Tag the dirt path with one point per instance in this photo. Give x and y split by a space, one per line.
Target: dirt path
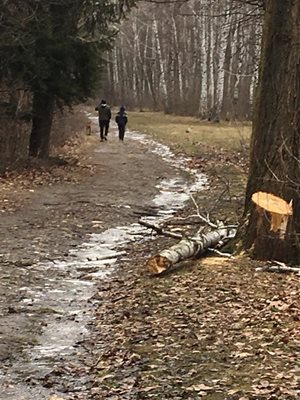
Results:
44 274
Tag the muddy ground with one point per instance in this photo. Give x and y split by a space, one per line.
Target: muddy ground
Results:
212 329
111 185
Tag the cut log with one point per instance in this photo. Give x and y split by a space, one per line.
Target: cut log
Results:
188 248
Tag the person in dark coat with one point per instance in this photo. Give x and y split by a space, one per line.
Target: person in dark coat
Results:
121 120
104 114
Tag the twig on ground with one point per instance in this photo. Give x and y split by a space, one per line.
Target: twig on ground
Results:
182 219
202 218
116 255
276 266
228 255
160 230
217 201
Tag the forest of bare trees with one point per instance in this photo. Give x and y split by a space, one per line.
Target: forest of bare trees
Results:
198 57
193 57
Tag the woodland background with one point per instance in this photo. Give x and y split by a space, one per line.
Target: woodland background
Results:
197 57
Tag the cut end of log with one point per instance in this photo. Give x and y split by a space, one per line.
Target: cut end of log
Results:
280 210
158 264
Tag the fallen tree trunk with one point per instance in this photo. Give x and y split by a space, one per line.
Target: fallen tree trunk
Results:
188 248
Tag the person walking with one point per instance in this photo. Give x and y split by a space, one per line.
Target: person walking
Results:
121 120
104 113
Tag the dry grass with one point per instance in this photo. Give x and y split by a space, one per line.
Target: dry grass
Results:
220 150
188 133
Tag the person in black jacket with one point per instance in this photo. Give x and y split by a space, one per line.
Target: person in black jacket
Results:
104 113
121 120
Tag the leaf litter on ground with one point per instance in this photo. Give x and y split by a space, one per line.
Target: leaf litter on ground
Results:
214 329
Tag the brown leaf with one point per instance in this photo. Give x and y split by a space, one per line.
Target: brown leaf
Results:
56 398
200 387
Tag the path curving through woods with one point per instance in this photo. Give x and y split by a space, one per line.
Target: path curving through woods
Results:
59 246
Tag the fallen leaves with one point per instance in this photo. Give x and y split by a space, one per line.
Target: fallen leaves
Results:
208 330
211 156
17 187
200 388
56 398
212 330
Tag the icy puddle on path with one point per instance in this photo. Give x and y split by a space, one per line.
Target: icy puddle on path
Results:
46 307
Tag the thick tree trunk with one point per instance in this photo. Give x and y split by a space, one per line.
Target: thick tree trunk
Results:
185 249
275 144
42 107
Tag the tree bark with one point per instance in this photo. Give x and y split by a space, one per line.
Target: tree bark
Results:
42 109
275 143
185 249
161 65
209 89
226 109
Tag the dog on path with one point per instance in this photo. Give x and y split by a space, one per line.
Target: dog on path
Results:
88 128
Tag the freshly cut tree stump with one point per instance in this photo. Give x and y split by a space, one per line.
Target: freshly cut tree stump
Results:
278 208
187 248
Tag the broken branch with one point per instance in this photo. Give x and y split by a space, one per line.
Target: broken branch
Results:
203 219
276 266
160 230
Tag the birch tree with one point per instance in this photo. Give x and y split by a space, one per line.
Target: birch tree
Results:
196 57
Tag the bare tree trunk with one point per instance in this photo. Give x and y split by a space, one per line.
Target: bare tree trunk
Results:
151 55
42 109
161 65
227 101
122 94
135 77
275 145
209 89
216 51
177 68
